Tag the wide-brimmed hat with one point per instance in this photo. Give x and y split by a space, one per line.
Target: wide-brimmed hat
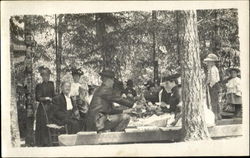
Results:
44 70
233 69
171 77
211 57
107 73
76 71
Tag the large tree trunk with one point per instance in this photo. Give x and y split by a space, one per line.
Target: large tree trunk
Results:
14 128
194 126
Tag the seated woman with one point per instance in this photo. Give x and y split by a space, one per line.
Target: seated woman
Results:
64 111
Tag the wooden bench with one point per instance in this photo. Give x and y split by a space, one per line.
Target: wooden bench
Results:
142 135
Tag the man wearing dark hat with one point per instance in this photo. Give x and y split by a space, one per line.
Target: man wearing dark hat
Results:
129 91
101 116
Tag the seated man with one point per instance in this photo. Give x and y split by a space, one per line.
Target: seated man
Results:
101 116
64 111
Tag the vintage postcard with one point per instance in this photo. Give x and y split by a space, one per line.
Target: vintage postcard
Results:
124 78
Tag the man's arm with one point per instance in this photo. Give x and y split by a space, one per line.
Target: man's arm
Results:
109 95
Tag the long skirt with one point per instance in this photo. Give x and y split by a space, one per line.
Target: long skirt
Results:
233 99
42 132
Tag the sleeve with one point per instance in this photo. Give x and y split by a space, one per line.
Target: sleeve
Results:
176 98
109 95
38 92
165 97
59 113
53 89
215 76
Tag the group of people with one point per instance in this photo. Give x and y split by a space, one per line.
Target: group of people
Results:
232 84
93 109
78 108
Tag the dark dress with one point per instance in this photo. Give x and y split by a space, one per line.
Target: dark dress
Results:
45 89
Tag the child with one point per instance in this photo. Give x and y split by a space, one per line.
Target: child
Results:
213 77
234 91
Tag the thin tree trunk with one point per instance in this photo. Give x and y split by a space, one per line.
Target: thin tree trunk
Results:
155 61
58 38
14 128
29 139
103 41
194 126
177 35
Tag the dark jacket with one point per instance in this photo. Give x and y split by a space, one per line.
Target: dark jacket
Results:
60 114
165 96
175 99
102 102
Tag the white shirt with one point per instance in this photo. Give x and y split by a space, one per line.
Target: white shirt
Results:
68 103
213 76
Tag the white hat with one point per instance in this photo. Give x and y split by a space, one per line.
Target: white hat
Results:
211 57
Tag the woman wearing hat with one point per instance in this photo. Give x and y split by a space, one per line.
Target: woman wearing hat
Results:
213 77
44 94
79 94
76 74
234 91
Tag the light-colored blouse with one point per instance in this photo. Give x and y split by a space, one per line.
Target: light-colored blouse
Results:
233 86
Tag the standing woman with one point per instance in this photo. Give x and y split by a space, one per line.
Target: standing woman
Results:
78 95
75 86
44 94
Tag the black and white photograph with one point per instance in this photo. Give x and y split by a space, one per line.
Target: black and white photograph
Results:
125 78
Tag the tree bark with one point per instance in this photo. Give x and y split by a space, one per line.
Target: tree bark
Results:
30 108
194 126
14 127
